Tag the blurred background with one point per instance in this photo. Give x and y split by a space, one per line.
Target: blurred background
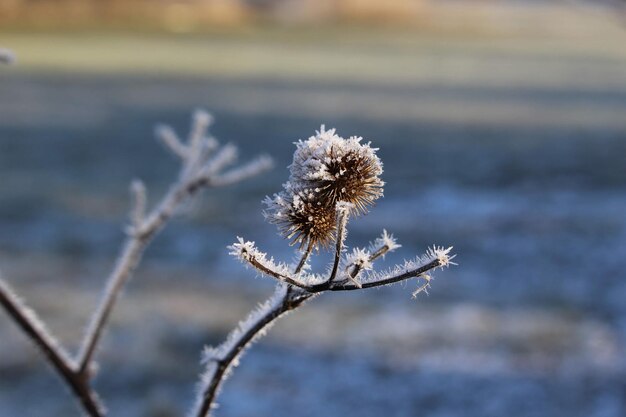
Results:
502 127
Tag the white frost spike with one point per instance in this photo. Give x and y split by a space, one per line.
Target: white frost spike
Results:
385 240
441 254
360 257
209 354
244 249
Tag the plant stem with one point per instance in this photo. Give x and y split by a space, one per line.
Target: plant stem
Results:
57 358
304 258
292 300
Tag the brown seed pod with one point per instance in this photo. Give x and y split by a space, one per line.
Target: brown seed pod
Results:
338 169
302 218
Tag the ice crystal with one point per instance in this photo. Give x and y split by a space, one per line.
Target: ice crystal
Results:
386 241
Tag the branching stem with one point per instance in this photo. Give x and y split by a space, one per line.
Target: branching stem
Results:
197 171
53 353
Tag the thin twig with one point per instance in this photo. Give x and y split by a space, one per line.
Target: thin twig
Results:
295 295
304 258
33 327
134 248
129 258
342 221
218 367
290 301
293 298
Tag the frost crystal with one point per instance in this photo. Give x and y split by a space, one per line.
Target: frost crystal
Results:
441 254
361 258
386 241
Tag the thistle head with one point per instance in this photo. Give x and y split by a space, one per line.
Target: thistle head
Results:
338 169
327 171
301 217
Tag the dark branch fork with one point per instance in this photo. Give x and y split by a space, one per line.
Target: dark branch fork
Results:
203 164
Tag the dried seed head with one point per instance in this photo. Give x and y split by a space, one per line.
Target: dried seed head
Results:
338 169
327 170
301 217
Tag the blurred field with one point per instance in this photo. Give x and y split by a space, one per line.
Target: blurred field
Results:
512 148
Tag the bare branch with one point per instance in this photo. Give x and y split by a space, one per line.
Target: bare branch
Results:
305 257
220 360
36 331
200 122
412 273
251 169
138 211
169 138
289 297
343 210
436 257
225 156
189 184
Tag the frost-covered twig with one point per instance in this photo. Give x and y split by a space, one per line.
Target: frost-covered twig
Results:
35 330
203 162
435 258
330 179
220 360
343 211
198 170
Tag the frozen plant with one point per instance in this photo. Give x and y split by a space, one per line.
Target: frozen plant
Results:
331 179
204 164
